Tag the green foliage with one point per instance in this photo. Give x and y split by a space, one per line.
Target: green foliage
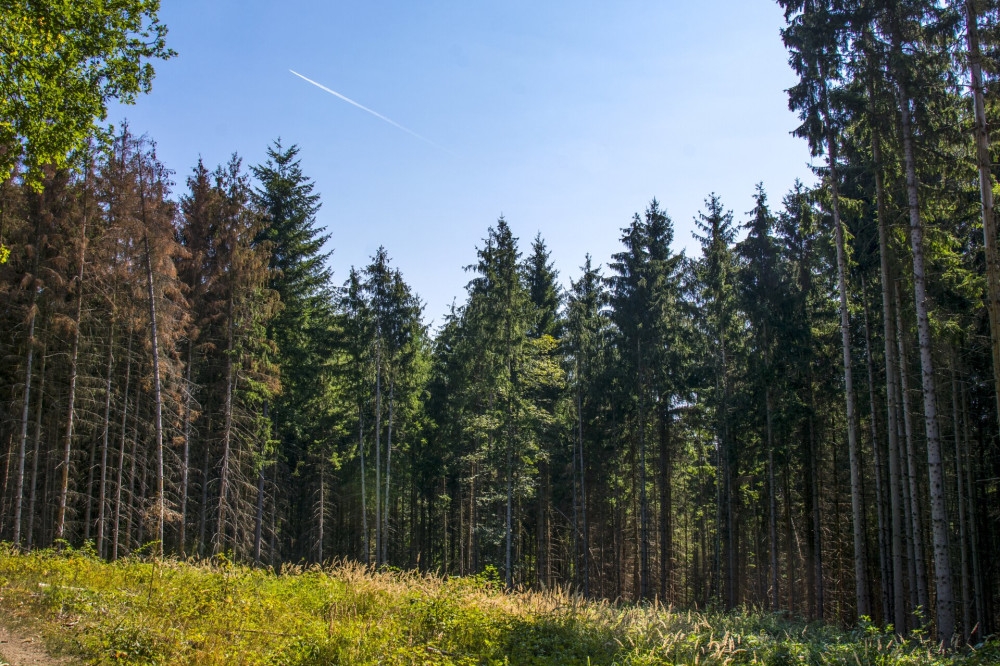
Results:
168 612
63 62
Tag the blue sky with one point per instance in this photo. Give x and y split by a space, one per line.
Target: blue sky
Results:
565 117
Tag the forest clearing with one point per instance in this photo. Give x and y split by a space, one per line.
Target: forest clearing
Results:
139 611
764 436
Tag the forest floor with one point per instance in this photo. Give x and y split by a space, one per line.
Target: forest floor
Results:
139 611
19 646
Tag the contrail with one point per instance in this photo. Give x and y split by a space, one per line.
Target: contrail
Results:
374 113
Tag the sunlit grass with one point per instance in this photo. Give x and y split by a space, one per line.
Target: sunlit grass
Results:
139 611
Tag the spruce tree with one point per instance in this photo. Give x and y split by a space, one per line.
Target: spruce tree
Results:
304 329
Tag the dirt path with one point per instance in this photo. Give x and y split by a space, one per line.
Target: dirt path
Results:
19 647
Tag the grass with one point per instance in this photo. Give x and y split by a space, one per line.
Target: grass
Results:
139 611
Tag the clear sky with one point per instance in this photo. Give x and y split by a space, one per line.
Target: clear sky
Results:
565 117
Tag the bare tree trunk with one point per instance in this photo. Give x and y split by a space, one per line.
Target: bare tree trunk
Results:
939 514
259 519
140 539
809 484
915 531
666 517
772 502
883 528
36 453
364 495
5 486
22 446
643 499
273 547
74 356
132 502
388 470
322 509
576 504
227 430
508 580
970 498
88 511
446 549
791 539
727 478
203 509
583 496
892 399
860 541
102 489
817 513
378 452
186 454
983 162
121 451
960 482
157 401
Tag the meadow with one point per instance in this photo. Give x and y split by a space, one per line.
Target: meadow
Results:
150 611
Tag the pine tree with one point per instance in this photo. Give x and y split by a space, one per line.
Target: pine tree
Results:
586 330
715 278
541 281
304 328
761 292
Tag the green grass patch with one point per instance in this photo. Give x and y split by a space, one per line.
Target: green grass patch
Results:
139 611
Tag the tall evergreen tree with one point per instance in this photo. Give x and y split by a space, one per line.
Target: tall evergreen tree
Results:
715 276
304 328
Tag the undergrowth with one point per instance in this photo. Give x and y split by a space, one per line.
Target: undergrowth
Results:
139 611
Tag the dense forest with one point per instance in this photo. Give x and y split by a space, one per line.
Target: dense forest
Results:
803 418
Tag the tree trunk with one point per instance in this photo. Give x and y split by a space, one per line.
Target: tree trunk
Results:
960 483
364 495
666 517
892 399
817 513
89 508
272 546
203 509
227 430
576 498
140 539
583 497
131 474
74 356
121 451
102 489
935 472
883 528
23 442
186 454
322 511
378 452
912 488
727 477
36 454
388 470
983 163
772 502
259 518
157 402
643 499
977 580
860 542
791 539
508 579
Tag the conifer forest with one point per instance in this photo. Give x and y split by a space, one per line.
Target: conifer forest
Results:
803 417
